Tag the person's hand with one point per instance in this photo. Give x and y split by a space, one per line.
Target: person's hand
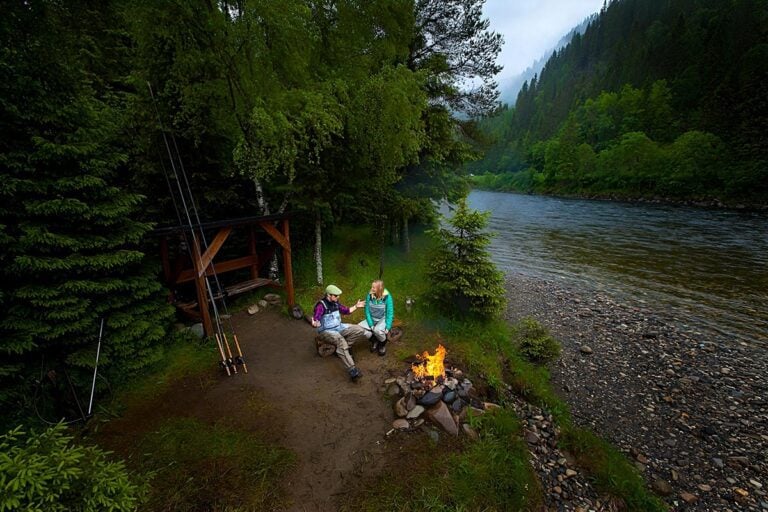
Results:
315 323
360 303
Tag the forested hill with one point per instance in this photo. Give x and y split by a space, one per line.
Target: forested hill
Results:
656 99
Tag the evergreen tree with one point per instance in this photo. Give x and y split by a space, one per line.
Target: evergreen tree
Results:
70 243
464 280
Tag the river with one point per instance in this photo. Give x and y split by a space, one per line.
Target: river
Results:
705 270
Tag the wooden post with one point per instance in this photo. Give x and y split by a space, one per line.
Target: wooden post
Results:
252 252
202 292
287 267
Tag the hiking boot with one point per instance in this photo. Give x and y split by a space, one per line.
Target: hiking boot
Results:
374 345
354 373
382 349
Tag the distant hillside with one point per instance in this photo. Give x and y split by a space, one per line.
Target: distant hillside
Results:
511 86
666 99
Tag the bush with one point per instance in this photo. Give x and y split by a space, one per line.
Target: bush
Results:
47 472
535 343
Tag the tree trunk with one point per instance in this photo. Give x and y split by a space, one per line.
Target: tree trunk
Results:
406 235
319 249
264 210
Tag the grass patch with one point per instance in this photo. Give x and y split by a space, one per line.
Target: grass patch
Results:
200 467
492 474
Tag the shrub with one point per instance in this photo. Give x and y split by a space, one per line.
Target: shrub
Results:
47 472
535 343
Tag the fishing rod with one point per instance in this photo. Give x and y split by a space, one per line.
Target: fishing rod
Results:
226 362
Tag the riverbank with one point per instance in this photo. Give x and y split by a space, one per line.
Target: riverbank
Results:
688 409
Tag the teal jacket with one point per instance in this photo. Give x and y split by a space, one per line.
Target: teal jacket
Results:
373 314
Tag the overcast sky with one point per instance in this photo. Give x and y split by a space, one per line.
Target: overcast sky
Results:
531 27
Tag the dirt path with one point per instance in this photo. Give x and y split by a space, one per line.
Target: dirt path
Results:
334 426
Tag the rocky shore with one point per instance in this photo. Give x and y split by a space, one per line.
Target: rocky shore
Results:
690 409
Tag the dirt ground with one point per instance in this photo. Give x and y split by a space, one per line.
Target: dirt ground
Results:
293 398
336 427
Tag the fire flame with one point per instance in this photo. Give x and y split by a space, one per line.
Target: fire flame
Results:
430 365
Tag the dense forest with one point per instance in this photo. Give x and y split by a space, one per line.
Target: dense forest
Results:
655 100
334 111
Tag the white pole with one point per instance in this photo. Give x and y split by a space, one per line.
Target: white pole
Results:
95 367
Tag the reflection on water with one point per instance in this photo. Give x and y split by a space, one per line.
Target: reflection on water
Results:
707 268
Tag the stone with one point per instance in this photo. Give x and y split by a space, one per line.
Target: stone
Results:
688 497
440 416
390 380
262 303
400 410
662 487
457 405
419 422
273 299
470 432
433 435
718 462
401 424
253 309
393 390
490 406
449 396
704 487
586 349
532 437
415 412
755 483
642 459
570 472
410 402
197 330
433 396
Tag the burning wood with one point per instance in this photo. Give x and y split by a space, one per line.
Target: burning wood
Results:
430 367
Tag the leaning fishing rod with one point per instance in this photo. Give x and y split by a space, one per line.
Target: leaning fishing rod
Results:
227 361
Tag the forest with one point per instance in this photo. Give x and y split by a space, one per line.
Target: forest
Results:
333 111
656 100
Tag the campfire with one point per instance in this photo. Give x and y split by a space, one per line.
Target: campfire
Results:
430 391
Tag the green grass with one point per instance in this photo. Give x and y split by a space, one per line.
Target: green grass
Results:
197 467
492 474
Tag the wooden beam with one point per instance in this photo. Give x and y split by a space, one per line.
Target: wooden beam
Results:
200 285
274 233
287 266
252 252
213 248
222 267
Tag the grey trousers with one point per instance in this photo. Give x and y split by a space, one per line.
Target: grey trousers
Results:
377 331
343 340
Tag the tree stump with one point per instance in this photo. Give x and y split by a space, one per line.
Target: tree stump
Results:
324 349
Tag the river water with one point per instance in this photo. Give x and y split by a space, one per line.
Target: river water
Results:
706 270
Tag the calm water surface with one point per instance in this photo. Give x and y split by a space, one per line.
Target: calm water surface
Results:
707 268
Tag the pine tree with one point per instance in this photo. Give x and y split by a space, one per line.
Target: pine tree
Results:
464 280
70 245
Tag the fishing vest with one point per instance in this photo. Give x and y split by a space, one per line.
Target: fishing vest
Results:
377 309
331 319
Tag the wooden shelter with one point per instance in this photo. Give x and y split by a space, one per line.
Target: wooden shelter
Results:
264 235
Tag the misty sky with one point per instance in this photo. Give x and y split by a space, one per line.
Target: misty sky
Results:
531 27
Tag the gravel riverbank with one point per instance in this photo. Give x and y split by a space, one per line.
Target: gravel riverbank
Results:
689 408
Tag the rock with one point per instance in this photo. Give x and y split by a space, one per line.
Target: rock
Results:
688 497
585 349
401 424
197 330
432 397
457 405
273 298
570 472
470 432
390 380
754 483
718 462
411 402
490 406
532 437
253 309
662 487
449 397
642 459
440 415
433 435
393 390
400 410
704 487
262 304
419 422
415 412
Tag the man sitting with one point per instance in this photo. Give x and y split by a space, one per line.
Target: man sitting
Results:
327 319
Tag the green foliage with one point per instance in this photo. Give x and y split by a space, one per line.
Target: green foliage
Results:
227 470
654 100
71 234
463 279
47 472
534 341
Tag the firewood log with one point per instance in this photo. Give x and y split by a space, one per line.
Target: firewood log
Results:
324 349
